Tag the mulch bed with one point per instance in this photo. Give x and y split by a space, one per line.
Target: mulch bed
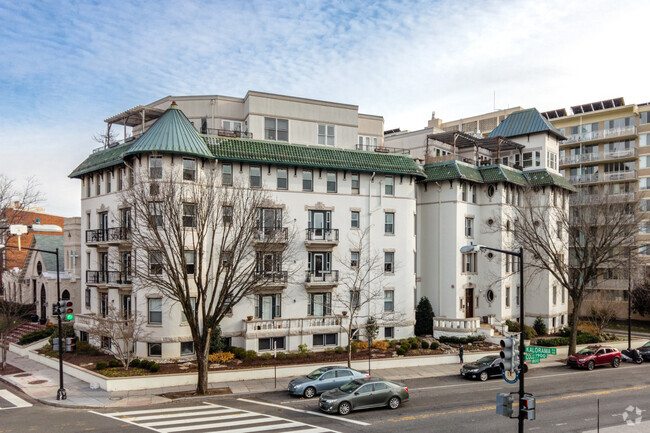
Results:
9 370
183 394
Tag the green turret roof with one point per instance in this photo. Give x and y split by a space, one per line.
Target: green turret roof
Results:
524 122
277 153
172 133
102 159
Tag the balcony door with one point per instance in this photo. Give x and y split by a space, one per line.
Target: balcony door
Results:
319 223
269 219
319 266
268 306
469 303
103 222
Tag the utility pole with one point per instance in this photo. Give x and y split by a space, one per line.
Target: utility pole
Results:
522 347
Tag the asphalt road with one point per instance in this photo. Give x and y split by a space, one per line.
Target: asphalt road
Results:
567 401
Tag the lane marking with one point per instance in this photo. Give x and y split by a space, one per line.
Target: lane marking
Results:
13 399
310 412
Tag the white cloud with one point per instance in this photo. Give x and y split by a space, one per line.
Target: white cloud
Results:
68 65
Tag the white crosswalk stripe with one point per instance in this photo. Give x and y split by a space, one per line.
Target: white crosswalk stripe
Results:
211 418
11 401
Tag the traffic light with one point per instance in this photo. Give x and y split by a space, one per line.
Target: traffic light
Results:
504 404
66 310
527 407
70 344
510 353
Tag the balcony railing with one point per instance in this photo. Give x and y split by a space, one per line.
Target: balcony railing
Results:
584 178
298 326
576 199
626 153
382 149
277 277
598 135
577 159
113 234
229 133
280 234
326 235
322 277
108 277
619 175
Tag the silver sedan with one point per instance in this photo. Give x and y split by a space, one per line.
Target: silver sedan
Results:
364 394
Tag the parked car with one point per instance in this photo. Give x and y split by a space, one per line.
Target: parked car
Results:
645 351
323 379
364 394
484 368
592 356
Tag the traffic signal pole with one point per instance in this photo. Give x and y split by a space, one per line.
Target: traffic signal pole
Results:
522 346
60 394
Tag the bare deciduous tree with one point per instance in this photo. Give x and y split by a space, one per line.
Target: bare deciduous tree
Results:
601 315
123 332
360 281
574 246
201 245
12 315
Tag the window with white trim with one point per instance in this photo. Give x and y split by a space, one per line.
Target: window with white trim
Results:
155 311
155 167
276 129
326 134
469 227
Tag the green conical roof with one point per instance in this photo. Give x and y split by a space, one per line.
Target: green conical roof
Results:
172 133
525 122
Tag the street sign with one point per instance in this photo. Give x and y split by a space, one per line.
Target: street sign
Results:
535 360
534 356
544 350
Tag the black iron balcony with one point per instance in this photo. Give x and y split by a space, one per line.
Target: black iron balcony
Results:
113 234
275 234
320 234
277 277
108 277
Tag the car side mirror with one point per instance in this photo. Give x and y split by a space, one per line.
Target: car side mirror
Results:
356 393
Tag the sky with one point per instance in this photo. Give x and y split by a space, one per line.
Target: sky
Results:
68 65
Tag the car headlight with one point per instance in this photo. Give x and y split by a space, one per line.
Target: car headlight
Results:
473 371
298 385
581 360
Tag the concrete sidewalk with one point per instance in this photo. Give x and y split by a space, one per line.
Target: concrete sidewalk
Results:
41 382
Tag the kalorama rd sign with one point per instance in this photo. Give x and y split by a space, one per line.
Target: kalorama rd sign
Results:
534 353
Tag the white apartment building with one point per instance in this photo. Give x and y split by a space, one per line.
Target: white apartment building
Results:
471 185
303 153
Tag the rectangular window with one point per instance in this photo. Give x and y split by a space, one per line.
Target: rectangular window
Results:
469 227
83 336
154 349
354 219
256 176
463 196
320 304
98 185
389 332
355 183
331 182
155 214
189 215
276 343
644 117
109 183
469 262
227 215
155 167
226 174
389 300
276 129
326 135
354 259
354 298
325 340
189 262
231 126
88 181
103 304
155 311
644 140
507 296
106 343
559 229
283 178
389 185
554 295
389 262
187 348
472 191
189 169
389 223
155 263
307 180
268 307
193 305
127 310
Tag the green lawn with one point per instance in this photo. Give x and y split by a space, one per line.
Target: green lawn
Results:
637 326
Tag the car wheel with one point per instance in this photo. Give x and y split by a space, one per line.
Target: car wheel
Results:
591 365
344 408
484 376
394 402
310 392
639 361
616 362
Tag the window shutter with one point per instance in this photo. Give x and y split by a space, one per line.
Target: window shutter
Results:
327 261
278 218
310 312
328 220
278 305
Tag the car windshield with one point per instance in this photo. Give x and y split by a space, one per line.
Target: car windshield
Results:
315 374
586 351
647 344
486 360
350 387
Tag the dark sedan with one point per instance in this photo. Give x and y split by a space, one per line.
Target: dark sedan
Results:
364 394
485 368
645 351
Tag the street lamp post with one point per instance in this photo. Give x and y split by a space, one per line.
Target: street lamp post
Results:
21 229
522 346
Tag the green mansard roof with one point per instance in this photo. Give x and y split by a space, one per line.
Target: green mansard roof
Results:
450 170
172 133
277 153
524 122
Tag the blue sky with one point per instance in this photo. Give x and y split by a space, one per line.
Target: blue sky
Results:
68 65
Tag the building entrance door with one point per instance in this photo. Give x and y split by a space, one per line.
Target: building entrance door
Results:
469 303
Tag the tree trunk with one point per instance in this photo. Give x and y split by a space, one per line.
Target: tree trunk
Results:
4 346
202 366
574 328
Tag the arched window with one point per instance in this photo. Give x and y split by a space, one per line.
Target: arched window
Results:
39 268
65 295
